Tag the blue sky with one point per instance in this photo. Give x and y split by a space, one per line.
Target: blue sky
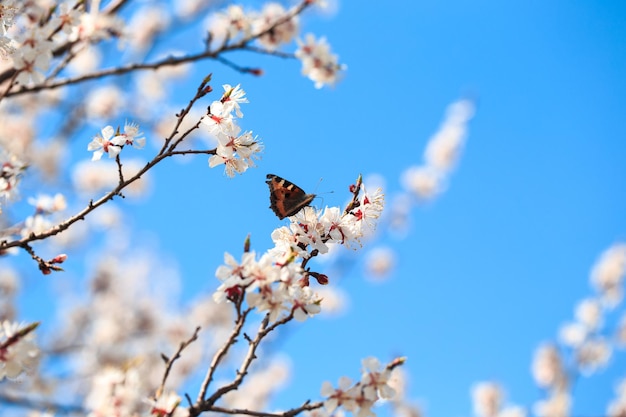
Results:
496 264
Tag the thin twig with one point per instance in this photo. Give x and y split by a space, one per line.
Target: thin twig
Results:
117 191
220 354
290 413
264 329
171 360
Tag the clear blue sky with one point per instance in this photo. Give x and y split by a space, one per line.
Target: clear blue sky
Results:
496 264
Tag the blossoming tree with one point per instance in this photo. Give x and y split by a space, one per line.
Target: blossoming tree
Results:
121 349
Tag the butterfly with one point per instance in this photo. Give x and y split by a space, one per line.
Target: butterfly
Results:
286 198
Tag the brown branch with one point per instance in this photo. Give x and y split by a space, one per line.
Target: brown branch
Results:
243 44
264 329
23 242
109 9
220 354
289 413
192 151
203 89
307 406
170 361
120 174
46 267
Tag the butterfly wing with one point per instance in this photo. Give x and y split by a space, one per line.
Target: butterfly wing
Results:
286 198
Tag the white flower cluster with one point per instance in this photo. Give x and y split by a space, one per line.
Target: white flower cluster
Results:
272 21
270 286
429 179
313 229
277 28
18 351
318 63
236 151
276 283
607 275
112 142
591 350
359 398
31 46
549 372
585 348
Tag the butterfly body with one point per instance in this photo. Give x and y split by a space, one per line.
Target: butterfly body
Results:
286 198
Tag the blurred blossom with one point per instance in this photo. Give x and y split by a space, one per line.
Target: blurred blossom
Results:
229 24
445 145
47 204
405 409
443 149
399 382
318 63
104 102
259 386
572 334
617 407
19 356
427 180
146 23
73 236
114 392
589 313
327 8
334 300
47 157
166 123
90 178
9 281
150 85
17 133
487 399
608 273
513 411
547 367
283 33
106 217
168 406
558 404
87 60
379 263
423 182
11 169
592 355
172 72
96 26
35 224
188 9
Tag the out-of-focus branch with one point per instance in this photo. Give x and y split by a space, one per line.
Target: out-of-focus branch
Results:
243 44
169 362
220 354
